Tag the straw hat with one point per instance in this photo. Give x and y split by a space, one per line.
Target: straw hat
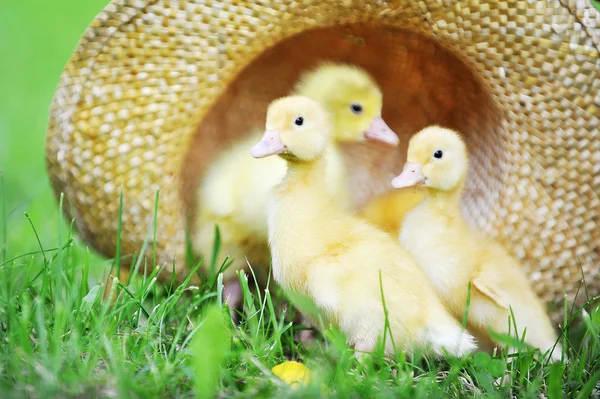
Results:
155 89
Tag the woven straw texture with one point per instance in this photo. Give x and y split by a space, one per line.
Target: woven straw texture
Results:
155 89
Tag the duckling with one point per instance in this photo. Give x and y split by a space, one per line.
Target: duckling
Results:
234 193
329 256
233 196
453 255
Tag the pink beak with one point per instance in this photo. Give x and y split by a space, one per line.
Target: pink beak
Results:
270 144
380 131
410 176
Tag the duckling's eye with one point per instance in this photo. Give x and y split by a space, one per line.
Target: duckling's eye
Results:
438 154
356 108
299 121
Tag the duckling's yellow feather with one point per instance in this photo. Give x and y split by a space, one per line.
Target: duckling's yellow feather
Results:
387 210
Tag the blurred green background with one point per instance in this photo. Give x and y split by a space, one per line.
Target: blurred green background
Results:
37 38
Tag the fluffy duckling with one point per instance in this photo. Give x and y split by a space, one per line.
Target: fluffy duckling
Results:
326 255
453 255
234 193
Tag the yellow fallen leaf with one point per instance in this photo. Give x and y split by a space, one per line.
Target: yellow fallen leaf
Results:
296 375
293 373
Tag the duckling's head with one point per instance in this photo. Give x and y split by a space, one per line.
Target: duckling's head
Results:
437 158
297 128
353 100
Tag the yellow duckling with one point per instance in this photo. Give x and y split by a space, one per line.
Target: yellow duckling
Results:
453 255
326 255
234 193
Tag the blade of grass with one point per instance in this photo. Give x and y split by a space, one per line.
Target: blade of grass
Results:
583 281
71 234
137 302
210 346
220 288
24 254
59 257
37 237
212 279
467 306
256 282
593 330
555 388
154 227
387 328
119 231
42 336
274 323
562 331
141 257
588 388
46 271
216 248
158 317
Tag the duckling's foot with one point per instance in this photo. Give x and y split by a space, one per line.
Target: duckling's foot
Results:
306 337
232 294
362 349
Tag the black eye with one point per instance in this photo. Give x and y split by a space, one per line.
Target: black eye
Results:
299 121
438 154
356 108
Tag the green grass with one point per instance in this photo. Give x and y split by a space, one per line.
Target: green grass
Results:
60 340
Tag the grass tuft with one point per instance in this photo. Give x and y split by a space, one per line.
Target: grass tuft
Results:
62 339
210 346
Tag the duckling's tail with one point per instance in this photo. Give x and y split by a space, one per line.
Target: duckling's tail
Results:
445 336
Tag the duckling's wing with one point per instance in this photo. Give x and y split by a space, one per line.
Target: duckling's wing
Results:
488 287
218 194
500 277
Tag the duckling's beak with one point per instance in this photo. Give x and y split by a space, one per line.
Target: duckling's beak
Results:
380 131
410 176
270 144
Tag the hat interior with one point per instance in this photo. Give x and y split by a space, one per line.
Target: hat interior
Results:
423 83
